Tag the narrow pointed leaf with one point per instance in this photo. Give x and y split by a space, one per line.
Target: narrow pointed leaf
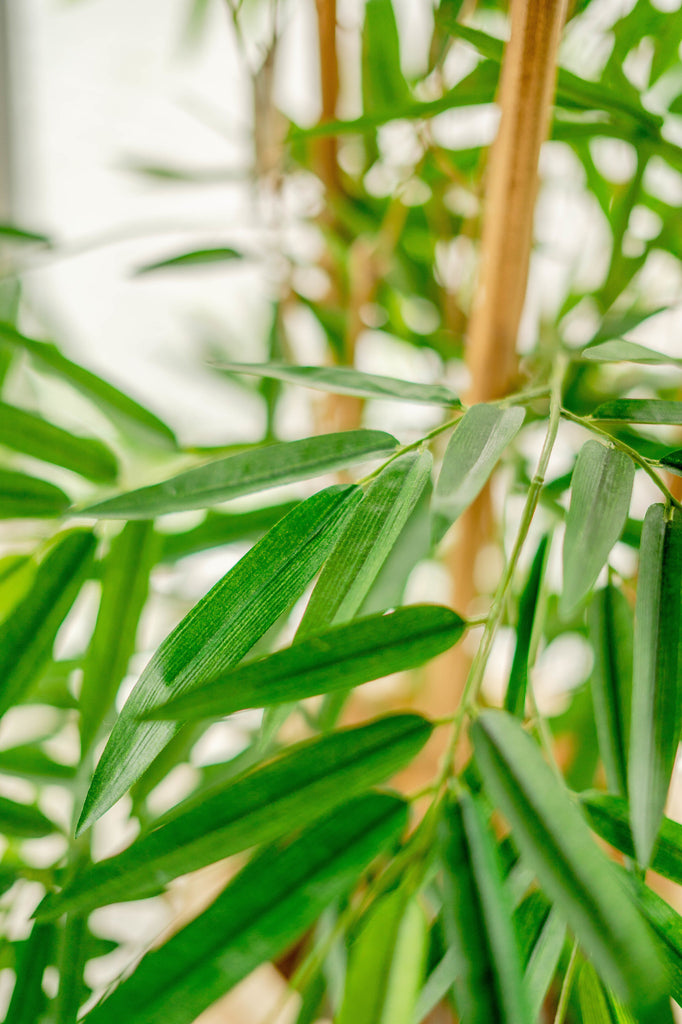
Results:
601 486
30 434
383 85
25 497
343 380
28 998
113 402
673 461
470 457
554 839
608 816
667 925
639 410
611 626
593 1000
194 258
247 472
478 923
338 658
23 820
273 900
221 528
515 697
654 729
28 632
366 542
269 801
544 960
621 351
217 633
30 762
125 582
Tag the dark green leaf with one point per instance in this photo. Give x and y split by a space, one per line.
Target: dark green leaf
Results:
28 999
656 693
269 801
554 839
338 658
27 634
343 380
217 633
639 410
470 457
26 497
600 500
667 925
23 820
254 470
515 697
366 542
32 435
608 816
478 921
273 900
610 625
673 462
195 258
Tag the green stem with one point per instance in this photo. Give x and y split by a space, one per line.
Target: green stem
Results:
569 978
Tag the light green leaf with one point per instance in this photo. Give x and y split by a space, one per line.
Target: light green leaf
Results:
125 582
610 627
273 900
601 486
217 633
195 258
338 658
268 802
383 86
470 457
608 817
621 351
23 820
30 762
30 434
27 497
544 960
343 380
554 839
28 632
109 399
654 729
593 1002
366 542
478 923
515 697
639 410
254 470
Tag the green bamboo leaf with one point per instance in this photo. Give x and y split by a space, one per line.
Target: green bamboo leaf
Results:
543 961
254 470
217 633
470 457
672 461
515 697
341 657
125 583
639 410
109 399
221 528
27 497
28 632
28 998
344 380
610 627
478 923
601 486
23 820
554 839
195 258
30 762
621 351
30 434
608 817
667 926
593 1000
366 542
13 233
654 729
272 901
269 801
383 85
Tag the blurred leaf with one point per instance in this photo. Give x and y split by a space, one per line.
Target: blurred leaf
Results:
217 633
654 729
24 820
30 762
667 925
116 405
601 486
32 435
27 497
28 999
272 901
366 542
384 88
125 584
12 233
626 352
515 697
343 380
609 818
28 632
478 920
639 410
610 624
254 470
220 528
470 457
197 257
272 800
554 839
544 932
593 1002
341 657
